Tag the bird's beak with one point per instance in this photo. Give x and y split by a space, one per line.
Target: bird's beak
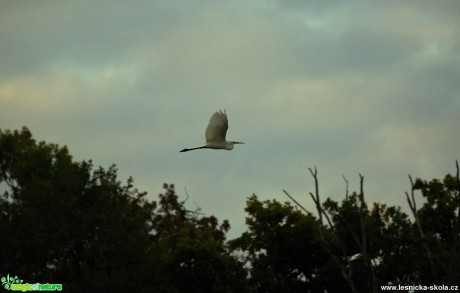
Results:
238 142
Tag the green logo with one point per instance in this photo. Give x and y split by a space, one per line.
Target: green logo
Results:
15 284
8 281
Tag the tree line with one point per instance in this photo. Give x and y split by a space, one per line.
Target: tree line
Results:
69 222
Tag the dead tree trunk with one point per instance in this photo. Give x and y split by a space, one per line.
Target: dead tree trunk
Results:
344 260
413 208
346 268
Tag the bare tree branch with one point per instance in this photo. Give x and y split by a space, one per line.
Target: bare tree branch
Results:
458 185
197 211
186 195
298 204
365 248
458 170
317 200
413 208
458 176
345 269
346 188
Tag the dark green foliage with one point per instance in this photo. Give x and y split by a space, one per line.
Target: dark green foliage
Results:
193 252
63 222
67 222
290 250
282 247
440 221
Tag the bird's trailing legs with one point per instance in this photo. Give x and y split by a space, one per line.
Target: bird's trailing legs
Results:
186 150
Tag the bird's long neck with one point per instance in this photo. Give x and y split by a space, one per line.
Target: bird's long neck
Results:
186 150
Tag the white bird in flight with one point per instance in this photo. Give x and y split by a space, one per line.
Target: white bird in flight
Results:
215 134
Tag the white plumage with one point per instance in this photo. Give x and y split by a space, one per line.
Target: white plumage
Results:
215 134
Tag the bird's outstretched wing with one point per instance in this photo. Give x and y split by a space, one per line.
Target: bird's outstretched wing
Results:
217 127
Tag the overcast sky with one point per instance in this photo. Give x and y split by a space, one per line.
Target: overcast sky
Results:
370 87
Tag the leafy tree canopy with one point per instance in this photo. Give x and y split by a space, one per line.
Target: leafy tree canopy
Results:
63 221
